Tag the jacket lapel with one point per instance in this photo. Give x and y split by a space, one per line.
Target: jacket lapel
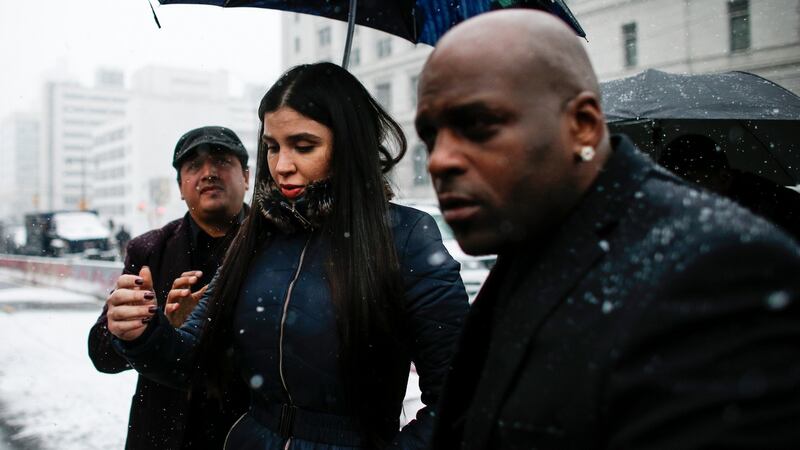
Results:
175 259
561 267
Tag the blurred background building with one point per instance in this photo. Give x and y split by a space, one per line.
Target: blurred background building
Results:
19 163
108 147
69 115
134 182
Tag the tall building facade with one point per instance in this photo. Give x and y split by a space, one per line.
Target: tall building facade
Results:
693 36
19 168
70 114
623 37
134 183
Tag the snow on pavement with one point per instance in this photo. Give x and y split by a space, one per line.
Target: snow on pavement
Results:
49 388
50 296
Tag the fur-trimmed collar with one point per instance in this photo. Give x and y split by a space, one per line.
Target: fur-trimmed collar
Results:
307 213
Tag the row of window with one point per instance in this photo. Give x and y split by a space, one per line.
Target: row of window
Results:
116 134
112 173
103 111
383 93
111 154
94 98
82 122
111 191
383 47
738 32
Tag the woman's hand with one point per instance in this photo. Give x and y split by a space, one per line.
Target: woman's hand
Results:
131 305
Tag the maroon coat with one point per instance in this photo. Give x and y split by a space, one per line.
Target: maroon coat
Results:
162 417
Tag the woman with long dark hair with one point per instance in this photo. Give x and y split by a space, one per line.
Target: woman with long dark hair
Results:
328 291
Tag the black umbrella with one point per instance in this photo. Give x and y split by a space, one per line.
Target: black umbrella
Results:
753 120
418 21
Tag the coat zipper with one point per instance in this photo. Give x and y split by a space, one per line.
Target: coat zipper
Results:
227 436
283 319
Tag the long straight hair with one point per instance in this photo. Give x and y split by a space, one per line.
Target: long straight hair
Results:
363 269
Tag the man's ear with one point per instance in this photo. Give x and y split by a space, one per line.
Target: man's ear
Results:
586 121
246 174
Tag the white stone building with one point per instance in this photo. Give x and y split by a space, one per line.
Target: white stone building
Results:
19 153
624 37
135 184
70 114
693 36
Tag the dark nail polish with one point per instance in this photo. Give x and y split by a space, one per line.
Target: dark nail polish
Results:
152 309
138 281
147 319
149 295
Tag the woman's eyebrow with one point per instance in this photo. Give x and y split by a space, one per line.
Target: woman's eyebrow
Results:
304 136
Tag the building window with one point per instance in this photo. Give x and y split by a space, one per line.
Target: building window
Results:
414 81
324 36
739 17
383 94
384 47
355 56
421 176
297 45
631 44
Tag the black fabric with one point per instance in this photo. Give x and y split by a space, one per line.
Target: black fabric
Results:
655 317
216 138
162 417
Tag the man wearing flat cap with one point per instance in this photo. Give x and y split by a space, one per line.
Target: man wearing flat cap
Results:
174 265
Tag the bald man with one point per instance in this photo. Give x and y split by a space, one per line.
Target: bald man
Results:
627 309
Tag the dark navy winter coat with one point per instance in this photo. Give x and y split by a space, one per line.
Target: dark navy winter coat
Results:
286 340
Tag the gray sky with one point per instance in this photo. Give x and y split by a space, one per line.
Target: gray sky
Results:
37 36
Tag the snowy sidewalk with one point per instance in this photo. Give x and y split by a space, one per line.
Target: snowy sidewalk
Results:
50 393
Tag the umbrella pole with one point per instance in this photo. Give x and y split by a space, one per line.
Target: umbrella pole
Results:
351 27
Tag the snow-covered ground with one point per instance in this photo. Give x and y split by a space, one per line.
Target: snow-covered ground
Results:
49 390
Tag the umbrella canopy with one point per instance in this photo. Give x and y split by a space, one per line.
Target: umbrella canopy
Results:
418 21
753 120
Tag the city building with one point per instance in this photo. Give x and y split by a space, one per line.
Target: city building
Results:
19 174
134 183
70 114
624 37
693 36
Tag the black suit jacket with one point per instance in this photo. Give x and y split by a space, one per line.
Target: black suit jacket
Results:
655 317
162 417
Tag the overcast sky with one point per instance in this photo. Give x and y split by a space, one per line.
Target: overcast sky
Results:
41 36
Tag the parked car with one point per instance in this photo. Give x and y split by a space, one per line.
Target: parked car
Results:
67 233
474 269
